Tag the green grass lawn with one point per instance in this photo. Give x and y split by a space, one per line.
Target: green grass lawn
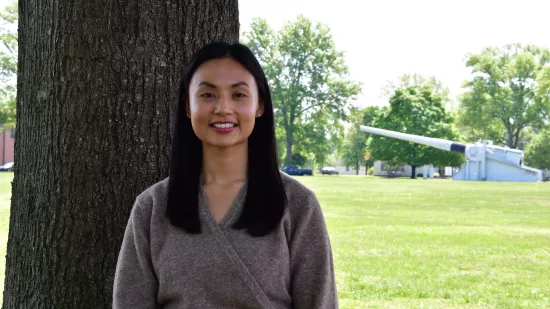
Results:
425 243
5 201
406 243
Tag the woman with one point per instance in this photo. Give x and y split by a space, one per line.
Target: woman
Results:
226 229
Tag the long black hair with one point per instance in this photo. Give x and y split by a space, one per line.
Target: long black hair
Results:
265 198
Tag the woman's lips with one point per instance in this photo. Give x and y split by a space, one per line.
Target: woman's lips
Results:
224 128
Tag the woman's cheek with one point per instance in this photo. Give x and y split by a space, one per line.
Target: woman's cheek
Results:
247 112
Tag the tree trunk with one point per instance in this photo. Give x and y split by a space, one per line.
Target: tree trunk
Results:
413 173
510 133
96 92
357 167
516 138
288 158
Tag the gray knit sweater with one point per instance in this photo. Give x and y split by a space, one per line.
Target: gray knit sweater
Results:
161 266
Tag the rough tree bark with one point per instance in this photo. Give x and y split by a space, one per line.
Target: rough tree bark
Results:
97 85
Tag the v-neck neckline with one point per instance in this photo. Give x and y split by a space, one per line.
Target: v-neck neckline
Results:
235 208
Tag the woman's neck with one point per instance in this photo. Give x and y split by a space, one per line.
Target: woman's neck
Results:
224 166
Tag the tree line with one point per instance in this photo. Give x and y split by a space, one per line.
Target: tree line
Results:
507 100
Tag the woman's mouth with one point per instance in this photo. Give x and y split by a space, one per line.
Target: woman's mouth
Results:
223 127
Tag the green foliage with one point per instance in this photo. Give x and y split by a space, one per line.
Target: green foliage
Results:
509 91
298 159
414 110
308 78
355 144
370 115
8 64
537 153
354 148
280 133
7 110
408 80
475 122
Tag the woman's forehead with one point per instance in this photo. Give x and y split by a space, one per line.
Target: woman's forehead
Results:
222 72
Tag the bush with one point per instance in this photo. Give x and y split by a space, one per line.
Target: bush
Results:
546 179
370 172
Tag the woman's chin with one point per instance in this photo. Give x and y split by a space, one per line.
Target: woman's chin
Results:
224 143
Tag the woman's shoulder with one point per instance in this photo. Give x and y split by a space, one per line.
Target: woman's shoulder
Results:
154 196
303 210
155 190
299 196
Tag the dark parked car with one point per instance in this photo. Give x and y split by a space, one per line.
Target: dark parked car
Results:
329 171
295 171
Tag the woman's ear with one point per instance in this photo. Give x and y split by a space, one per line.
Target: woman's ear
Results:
187 110
260 110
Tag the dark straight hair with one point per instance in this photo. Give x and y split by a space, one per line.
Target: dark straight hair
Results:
265 197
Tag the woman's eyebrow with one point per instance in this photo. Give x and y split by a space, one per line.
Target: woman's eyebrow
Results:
240 84
207 84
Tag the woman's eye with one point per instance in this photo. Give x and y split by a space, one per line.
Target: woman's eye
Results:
240 95
207 95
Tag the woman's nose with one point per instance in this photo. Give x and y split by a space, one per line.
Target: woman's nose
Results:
223 105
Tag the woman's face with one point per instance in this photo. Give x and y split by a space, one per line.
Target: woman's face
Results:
223 103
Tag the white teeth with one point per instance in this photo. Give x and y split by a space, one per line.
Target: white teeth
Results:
224 125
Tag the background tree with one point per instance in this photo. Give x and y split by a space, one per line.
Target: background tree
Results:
354 151
369 117
97 86
308 76
316 137
475 123
509 92
537 153
373 116
408 80
8 64
298 159
354 147
414 110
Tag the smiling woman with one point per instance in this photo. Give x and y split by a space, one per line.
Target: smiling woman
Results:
226 229
223 103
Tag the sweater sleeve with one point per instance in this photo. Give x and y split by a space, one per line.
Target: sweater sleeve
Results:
135 284
312 270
